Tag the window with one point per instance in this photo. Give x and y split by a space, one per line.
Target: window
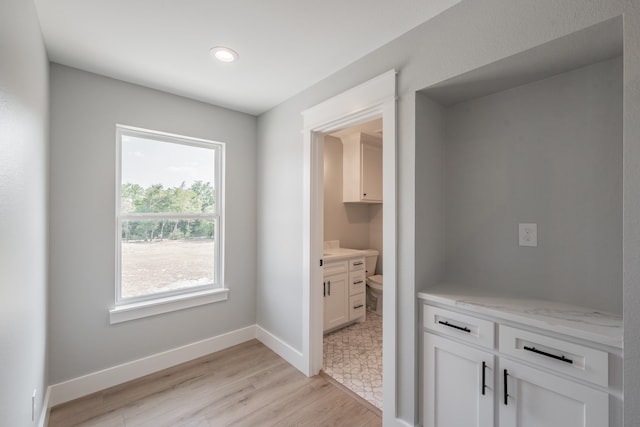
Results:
169 222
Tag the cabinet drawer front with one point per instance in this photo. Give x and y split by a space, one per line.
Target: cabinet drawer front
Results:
356 306
335 267
461 326
357 283
557 355
356 264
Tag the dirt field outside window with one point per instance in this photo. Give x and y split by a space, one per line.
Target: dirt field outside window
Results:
160 266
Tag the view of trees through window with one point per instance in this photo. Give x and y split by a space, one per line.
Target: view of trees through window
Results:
168 216
198 198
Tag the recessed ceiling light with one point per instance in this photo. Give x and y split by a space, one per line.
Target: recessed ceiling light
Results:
224 54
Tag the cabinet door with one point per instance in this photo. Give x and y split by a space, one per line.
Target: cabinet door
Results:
371 171
454 392
336 298
537 399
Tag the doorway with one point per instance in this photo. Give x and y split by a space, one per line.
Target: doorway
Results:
371 100
353 253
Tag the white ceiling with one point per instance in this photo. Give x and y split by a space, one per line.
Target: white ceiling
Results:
285 46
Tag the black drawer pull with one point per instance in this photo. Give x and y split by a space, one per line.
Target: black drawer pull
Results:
544 353
445 323
484 378
358 282
358 306
358 263
506 392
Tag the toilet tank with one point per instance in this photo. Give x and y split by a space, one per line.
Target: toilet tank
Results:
371 258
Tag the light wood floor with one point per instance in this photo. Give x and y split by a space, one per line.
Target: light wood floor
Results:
246 385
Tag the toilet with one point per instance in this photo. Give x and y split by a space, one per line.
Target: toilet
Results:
374 282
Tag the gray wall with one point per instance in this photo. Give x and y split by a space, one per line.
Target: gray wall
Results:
23 206
461 39
84 111
550 153
430 161
347 222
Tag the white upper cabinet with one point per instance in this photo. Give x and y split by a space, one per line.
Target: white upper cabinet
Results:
362 168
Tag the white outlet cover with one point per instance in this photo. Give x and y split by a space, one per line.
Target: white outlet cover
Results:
528 234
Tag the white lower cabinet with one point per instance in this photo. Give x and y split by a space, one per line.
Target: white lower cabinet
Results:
336 310
519 379
458 384
530 397
344 292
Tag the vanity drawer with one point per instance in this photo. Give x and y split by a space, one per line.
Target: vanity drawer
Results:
356 264
461 326
357 282
575 360
335 267
356 306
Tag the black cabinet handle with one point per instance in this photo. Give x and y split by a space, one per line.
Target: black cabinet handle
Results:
544 353
358 282
324 289
506 393
358 306
484 383
445 323
329 292
357 263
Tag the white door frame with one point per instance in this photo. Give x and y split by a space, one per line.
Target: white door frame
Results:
373 99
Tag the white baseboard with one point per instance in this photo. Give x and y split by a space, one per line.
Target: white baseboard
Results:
96 381
46 406
281 348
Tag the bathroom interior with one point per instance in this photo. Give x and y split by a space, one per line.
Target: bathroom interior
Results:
352 345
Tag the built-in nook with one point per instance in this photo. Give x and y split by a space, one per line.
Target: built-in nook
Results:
535 138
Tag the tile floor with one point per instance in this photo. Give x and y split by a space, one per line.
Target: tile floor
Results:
353 357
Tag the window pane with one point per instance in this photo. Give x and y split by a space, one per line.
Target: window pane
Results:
161 177
166 255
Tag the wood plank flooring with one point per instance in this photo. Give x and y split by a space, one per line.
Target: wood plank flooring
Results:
245 385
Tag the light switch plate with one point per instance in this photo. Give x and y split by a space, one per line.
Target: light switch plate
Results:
528 234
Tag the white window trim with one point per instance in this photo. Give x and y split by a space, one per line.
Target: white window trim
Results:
135 308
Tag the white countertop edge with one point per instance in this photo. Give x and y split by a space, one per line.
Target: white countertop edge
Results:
339 254
606 335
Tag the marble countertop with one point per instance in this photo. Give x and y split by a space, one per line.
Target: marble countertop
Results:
338 254
580 322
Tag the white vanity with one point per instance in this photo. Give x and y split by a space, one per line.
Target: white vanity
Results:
495 361
344 285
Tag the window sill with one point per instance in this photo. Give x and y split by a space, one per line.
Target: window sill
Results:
126 312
